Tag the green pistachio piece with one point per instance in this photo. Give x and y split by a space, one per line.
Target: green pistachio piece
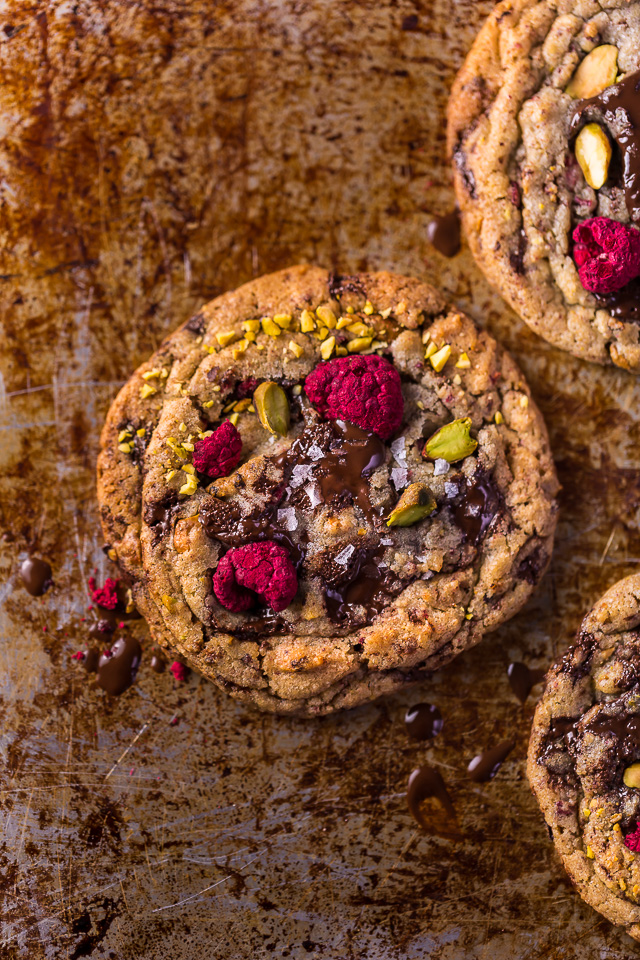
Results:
451 442
272 408
416 503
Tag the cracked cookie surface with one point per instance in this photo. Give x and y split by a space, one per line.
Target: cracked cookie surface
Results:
539 146
402 558
584 756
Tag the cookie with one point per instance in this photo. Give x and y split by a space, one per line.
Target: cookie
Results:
544 137
322 488
584 756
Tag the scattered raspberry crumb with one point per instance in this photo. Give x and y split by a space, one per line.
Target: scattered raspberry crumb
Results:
246 388
219 454
607 254
179 671
632 840
107 596
363 390
77 656
259 571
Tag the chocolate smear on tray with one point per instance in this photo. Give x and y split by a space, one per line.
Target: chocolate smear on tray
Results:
485 765
522 679
158 663
423 721
36 576
443 232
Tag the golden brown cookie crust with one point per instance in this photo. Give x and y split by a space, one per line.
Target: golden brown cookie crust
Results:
447 590
515 180
582 742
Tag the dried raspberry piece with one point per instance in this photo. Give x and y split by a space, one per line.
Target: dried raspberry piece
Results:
78 656
607 254
259 571
219 454
107 596
363 390
246 388
179 671
632 840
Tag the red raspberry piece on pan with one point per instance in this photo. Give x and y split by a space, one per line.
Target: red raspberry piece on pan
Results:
365 391
219 454
107 596
606 253
260 572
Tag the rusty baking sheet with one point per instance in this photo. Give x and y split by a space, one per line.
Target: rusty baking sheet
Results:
152 156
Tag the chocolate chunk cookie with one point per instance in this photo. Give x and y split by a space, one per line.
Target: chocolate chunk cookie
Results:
584 756
322 488
544 136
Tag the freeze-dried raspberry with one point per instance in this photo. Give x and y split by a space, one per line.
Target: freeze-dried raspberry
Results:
607 254
107 596
363 390
259 571
632 840
179 671
246 388
219 454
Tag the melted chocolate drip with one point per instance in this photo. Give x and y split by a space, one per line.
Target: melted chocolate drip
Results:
91 659
485 765
159 515
423 721
444 233
365 586
624 303
618 108
426 782
36 576
522 678
117 668
477 507
626 730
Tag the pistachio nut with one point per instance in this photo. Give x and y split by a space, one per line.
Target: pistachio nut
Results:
597 71
631 776
593 153
416 503
272 408
451 442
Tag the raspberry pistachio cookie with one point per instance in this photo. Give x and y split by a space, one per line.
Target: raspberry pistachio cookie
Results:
323 487
544 134
584 756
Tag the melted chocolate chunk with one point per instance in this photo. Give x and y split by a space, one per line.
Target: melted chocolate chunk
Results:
196 324
364 591
159 515
36 576
158 663
444 233
425 782
467 175
477 507
423 721
485 765
341 283
117 668
618 109
562 734
623 304
625 729
522 679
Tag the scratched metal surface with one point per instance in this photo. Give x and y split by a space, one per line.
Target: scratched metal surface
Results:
153 155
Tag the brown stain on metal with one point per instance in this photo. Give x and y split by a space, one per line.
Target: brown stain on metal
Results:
156 156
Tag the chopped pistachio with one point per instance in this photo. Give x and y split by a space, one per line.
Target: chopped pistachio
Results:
341 351
295 348
321 333
379 344
468 616
343 322
252 326
524 400
147 391
141 432
188 445
439 359
327 348
251 409
123 435
419 404
359 344
426 336
124 447
190 486
457 379
463 362
451 442
111 553
368 308
239 349
283 320
205 434
169 602
360 329
151 374
228 407
350 310
307 322
431 349
250 337
416 503
272 408
631 776
270 328
208 404
224 339
297 390
498 418
590 853
327 316
401 307
216 388
385 314
242 405
183 427
189 468
170 475
234 419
